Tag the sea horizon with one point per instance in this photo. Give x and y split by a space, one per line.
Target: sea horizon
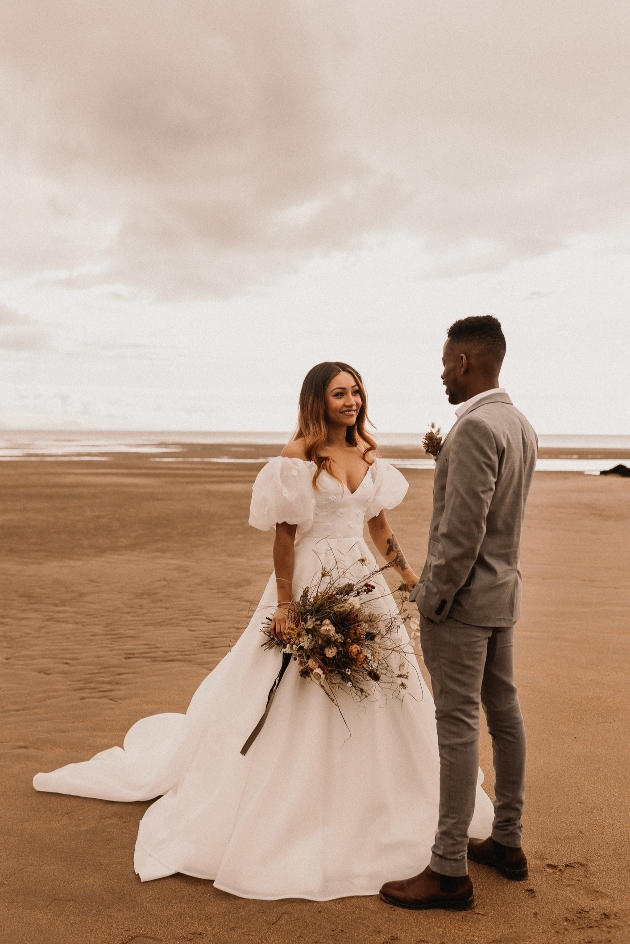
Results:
164 446
128 438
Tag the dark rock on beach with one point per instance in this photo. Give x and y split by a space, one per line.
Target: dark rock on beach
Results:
617 470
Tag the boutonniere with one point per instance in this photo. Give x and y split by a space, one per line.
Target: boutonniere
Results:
432 442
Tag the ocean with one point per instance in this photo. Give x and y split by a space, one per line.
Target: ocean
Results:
163 446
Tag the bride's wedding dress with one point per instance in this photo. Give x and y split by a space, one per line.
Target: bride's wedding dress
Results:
315 809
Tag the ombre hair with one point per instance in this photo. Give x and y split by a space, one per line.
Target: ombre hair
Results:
312 426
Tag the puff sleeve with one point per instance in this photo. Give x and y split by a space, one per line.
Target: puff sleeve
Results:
390 487
283 491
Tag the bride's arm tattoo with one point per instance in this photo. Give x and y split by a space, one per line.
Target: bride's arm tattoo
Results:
393 547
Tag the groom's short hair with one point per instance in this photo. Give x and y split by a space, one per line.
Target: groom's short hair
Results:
482 331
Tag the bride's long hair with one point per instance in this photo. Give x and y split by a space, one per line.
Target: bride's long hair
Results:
312 426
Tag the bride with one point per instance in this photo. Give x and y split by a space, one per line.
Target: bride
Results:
317 808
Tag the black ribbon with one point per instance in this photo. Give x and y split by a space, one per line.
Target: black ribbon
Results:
286 658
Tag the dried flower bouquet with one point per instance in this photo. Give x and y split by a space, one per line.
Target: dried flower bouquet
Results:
340 642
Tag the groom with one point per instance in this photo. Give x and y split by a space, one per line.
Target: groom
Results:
469 597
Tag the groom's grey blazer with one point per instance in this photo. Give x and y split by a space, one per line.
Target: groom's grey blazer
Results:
482 478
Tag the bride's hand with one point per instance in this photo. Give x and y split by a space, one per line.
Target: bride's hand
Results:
410 579
279 622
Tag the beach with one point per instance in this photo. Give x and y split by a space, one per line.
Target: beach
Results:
125 581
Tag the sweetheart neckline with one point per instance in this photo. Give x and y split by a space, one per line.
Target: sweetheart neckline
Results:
343 484
358 486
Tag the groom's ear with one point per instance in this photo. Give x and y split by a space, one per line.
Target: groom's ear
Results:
464 363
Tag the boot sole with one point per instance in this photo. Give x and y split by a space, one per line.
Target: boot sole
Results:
515 875
421 906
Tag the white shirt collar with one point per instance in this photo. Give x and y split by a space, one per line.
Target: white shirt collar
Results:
479 396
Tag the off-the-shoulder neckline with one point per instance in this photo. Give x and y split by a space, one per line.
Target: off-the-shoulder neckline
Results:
311 462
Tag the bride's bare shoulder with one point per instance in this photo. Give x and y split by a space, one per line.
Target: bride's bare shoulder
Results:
294 450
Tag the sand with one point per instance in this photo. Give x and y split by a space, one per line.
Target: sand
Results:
123 584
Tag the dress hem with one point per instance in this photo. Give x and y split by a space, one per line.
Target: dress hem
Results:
252 896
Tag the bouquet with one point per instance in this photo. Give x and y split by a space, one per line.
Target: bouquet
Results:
340 642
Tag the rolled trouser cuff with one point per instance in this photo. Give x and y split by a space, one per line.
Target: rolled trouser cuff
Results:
453 867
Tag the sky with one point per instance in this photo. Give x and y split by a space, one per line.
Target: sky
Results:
201 200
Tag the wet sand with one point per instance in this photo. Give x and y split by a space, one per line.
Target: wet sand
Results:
123 584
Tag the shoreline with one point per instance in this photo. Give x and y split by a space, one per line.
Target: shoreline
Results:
238 451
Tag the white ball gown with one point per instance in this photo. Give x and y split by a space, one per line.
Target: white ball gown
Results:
315 809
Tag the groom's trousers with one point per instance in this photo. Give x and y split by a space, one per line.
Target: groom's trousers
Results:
470 665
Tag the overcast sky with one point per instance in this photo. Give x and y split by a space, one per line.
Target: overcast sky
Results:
202 199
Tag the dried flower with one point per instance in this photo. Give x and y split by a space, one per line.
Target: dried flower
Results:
432 441
337 637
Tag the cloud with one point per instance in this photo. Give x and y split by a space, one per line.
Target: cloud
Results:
535 295
25 340
10 317
19 333
200 147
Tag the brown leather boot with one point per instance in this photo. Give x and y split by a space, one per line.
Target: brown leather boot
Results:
507 860
430 890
